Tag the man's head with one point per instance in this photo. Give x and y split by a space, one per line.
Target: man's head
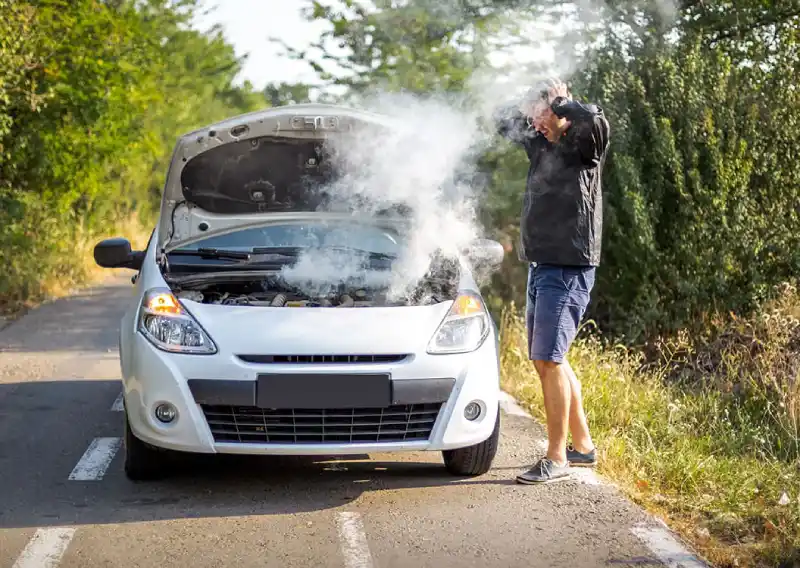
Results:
536 106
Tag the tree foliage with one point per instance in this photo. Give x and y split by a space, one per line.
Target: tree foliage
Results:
279 94
415 46
92 97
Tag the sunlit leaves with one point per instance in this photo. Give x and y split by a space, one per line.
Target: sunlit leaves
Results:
92 98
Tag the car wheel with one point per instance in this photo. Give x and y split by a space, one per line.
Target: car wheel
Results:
142 461
477 459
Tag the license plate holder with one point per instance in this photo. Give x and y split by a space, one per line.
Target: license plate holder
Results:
323 390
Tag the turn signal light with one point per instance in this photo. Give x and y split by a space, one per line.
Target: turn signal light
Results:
466 305
164 304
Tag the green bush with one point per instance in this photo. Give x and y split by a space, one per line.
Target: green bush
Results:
700 194
701 204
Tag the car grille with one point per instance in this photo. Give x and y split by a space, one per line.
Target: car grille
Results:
322 358
247 424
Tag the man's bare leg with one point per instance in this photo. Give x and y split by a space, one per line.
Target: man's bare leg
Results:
578 426
557 393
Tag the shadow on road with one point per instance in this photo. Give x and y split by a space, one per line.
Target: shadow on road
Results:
46 426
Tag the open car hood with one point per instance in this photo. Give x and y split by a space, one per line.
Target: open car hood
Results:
256 167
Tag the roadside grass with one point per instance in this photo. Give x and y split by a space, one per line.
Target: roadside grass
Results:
706 434
56 260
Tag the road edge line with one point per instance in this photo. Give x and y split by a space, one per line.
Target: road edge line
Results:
667 546
658 537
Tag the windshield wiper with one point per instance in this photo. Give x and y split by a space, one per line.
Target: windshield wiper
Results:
213 253
282 251
296 251
371 253
255 256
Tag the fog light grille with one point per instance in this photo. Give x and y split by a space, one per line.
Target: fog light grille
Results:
252 425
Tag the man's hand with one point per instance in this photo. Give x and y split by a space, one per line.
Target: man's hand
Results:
556 88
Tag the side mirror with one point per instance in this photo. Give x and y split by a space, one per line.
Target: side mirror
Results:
117 253
485 254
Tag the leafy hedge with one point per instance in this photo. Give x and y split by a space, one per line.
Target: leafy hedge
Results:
702 185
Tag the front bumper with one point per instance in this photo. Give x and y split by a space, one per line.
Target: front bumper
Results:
224 389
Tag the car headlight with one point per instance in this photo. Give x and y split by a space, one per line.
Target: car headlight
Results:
463 329
168 326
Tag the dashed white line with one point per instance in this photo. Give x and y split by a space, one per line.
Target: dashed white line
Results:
667 548
96 459
118 404
353 541
45 548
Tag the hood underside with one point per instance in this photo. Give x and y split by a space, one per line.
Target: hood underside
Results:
259 175
267 174
270 163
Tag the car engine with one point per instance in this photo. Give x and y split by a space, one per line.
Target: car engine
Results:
273 290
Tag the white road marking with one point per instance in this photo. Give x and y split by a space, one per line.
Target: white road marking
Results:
510 406
118 404
586 476
96 459
45 548
353 541
667 548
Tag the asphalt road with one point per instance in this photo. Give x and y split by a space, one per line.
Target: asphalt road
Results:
64 500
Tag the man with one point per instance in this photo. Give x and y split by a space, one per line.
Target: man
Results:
560 234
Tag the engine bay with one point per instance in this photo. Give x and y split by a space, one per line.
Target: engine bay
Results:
274 290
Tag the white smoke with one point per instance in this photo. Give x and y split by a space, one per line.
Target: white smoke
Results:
539 40
424 162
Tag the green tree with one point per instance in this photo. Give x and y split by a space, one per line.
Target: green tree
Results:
279 94
92 97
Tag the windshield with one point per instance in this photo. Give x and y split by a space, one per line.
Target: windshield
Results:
307 234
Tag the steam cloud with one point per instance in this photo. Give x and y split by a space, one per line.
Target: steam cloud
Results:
423 161
427 161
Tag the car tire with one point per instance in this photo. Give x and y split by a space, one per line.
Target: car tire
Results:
474 460
142 461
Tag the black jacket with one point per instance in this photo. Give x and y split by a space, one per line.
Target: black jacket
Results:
562 212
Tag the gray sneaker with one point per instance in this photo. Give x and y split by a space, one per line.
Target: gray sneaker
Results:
577 459
545 471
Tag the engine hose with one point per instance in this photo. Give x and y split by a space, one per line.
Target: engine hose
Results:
278 301
346 301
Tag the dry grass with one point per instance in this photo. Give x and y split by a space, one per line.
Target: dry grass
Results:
706 437
59 264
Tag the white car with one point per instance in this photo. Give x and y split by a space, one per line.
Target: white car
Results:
221 352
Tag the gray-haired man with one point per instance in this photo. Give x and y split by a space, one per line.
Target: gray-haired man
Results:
561 226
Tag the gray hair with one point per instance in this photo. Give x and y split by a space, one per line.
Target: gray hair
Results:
540 92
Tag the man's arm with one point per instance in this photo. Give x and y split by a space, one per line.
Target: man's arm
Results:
513 125
591 127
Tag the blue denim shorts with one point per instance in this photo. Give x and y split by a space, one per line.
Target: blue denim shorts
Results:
556 302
